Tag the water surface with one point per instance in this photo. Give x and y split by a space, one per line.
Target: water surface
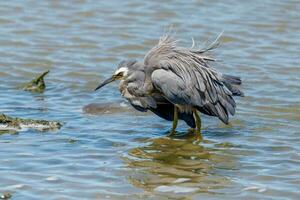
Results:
123 154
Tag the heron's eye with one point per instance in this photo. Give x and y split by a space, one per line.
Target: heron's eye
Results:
118 75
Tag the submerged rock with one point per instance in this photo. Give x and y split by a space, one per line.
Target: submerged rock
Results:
8 123
37 84
112 108
6 195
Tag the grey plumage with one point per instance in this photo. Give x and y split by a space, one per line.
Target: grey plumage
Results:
154 102
185 78
174 82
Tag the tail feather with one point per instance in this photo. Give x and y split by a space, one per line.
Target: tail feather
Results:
232 82
235 80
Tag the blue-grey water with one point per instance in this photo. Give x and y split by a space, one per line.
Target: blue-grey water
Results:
114 152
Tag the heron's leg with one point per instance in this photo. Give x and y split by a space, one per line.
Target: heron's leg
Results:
175 122
198 125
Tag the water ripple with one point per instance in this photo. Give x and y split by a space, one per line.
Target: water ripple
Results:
109 151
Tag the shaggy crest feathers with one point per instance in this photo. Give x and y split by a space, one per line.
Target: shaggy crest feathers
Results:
203 88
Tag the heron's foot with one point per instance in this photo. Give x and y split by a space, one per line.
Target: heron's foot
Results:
172 133
191 130
175 122
198 135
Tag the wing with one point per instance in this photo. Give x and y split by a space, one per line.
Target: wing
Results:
158 105
168 46
184 76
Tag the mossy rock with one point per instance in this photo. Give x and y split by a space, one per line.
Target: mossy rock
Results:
5 196
37 84
13 123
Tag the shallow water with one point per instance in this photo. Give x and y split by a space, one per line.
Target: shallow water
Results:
106 154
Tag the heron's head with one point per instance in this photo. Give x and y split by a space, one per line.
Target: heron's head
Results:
125 68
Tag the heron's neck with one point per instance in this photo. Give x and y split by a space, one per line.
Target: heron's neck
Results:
148 86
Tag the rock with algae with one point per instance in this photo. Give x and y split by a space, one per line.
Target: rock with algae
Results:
37 84
8 123
5 195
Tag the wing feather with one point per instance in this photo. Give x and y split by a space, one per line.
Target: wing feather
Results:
184 76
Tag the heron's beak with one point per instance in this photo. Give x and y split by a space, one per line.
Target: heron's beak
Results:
107 81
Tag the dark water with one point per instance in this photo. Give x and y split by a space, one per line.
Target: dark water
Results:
123 154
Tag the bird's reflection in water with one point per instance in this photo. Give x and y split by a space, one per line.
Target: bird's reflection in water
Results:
179 166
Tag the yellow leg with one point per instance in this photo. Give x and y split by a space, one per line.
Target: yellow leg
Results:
175 122
198 125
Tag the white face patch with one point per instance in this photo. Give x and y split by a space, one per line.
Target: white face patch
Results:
122 69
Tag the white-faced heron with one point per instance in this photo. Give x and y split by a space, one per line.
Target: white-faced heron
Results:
132 74
175 82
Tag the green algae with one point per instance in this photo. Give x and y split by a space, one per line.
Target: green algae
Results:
11 132
8 123
72 141
37 84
